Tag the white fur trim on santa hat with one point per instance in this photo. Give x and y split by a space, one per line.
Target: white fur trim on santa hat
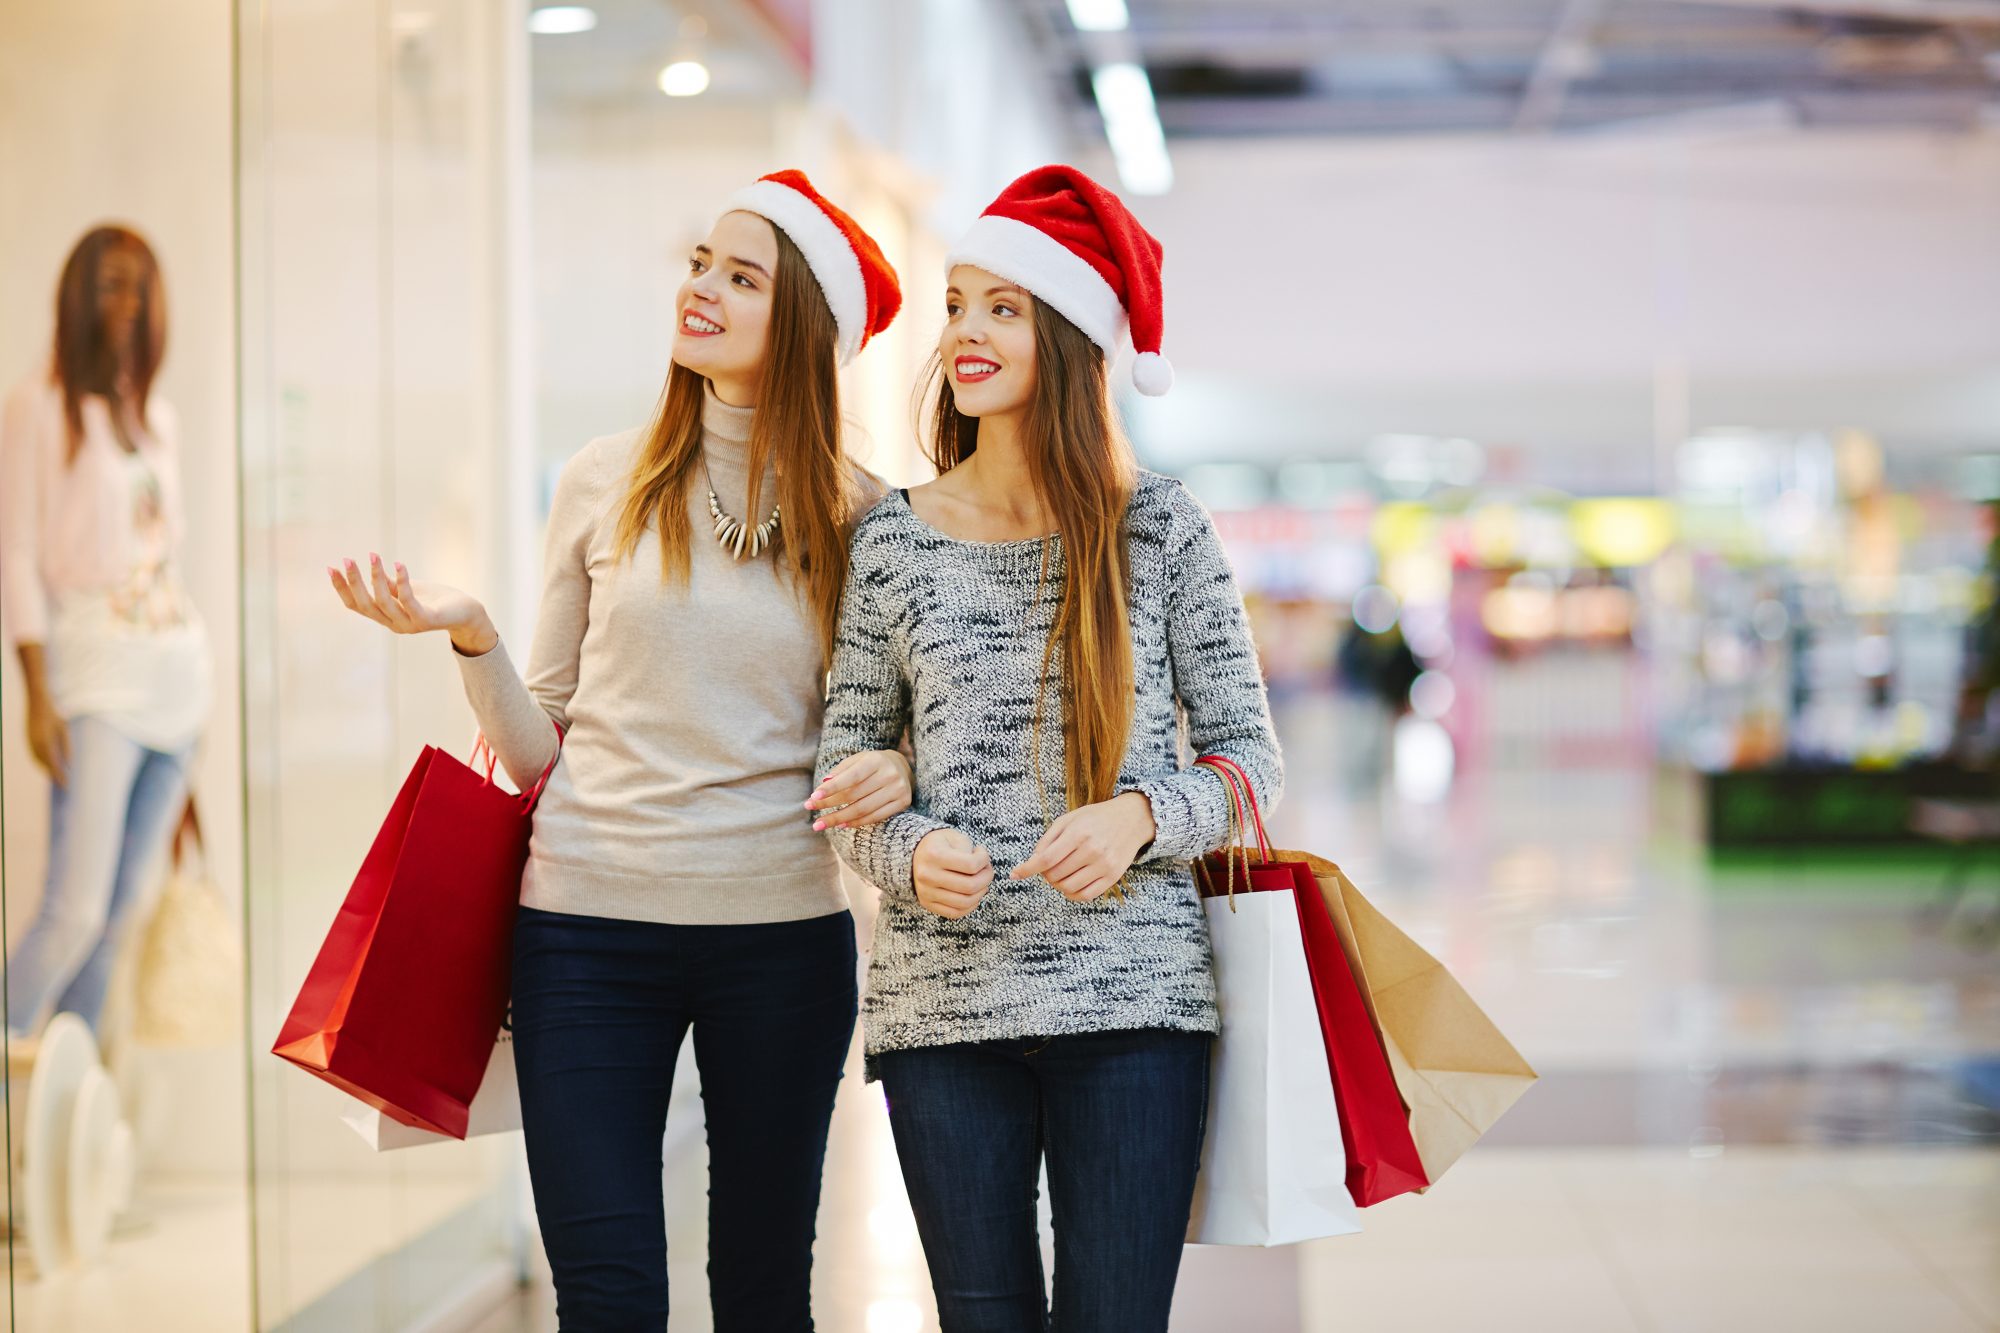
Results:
828 253
1050 271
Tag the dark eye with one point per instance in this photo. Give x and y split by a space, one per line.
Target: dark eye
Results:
744 278
1004 308
952 307
694 265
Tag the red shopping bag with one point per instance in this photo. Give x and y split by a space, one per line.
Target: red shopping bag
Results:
412 982
1382 1158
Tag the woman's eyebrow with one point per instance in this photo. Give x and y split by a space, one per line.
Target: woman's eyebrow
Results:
749 263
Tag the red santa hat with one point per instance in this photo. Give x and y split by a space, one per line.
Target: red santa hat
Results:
1073 244
859 284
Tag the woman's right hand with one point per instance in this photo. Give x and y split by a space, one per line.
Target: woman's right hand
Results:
48 738
414 608
950 874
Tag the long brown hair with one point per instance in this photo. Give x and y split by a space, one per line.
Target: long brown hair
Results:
797 423
1084 473
85 361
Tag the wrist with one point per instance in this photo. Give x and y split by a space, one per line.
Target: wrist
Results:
476 637
1139 810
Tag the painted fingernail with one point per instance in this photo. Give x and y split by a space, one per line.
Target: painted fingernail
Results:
819 825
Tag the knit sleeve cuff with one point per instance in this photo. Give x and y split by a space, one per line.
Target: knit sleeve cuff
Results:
1189 817
883 854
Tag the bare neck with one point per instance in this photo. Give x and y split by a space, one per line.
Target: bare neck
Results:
997 478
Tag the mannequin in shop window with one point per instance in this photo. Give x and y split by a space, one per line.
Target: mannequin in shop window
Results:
114 656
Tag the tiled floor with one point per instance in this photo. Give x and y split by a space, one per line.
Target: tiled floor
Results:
182 1263
1590 1240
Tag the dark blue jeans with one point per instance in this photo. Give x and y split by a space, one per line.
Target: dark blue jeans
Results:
600 1008
1118 1115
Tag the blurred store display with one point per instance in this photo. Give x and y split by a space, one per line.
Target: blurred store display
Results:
1806 630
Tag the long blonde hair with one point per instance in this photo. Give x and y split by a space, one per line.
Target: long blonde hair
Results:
797 423
1084 473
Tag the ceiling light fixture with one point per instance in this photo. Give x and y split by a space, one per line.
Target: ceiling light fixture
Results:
1132 124
684 78
1099 15
562 20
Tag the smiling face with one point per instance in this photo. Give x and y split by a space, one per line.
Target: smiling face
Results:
722 312
988 343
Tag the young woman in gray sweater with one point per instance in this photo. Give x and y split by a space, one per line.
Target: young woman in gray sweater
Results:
692 581
1045 618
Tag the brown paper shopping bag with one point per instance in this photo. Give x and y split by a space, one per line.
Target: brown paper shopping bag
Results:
1457 1074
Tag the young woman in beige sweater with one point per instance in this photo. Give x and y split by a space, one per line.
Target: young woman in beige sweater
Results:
692 586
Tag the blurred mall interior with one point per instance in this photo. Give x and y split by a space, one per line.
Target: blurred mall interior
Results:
1599 399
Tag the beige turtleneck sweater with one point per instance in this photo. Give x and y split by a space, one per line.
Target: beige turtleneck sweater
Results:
692 711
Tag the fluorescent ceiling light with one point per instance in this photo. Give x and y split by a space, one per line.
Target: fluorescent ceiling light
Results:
1132 124
684 78
1099 15
562 20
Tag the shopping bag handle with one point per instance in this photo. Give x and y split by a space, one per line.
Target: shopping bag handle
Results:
1233 846
482 748
188 831
1235 778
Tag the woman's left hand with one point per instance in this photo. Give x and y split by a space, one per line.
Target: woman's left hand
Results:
1087 851
863 789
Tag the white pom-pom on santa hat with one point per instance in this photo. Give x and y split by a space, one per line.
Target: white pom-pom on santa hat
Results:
1152 374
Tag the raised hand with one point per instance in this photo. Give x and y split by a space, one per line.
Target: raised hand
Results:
413 608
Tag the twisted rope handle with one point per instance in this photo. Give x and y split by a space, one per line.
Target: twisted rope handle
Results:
1236 844
1223 763
483 749
535 794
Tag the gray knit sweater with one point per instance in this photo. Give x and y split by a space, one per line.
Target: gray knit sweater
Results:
947 636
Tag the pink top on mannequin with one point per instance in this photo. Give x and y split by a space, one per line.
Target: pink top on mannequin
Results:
67 526
88 564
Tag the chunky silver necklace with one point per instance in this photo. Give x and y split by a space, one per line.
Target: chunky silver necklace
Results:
737 537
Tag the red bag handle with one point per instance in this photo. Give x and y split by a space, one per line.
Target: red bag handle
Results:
535 795
1233 776
481 747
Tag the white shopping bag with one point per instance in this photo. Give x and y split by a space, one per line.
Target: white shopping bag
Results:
495 1109
1273 1167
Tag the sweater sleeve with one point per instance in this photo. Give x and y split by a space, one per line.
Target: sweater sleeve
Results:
515 714
868 708
1220 689
24 450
